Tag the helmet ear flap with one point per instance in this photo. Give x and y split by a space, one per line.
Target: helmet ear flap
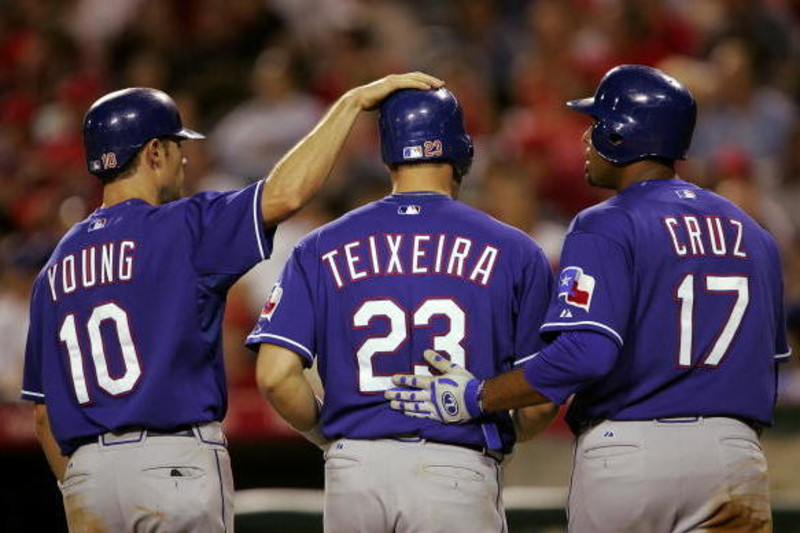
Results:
609 141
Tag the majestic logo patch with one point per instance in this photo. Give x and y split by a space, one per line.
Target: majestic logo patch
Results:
686 194
449 403
409 210
272 302
412 152
576 287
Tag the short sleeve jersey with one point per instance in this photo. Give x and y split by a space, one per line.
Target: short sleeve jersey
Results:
368 293
126 316
690 288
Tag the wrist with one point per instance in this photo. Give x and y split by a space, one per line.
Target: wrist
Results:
473 397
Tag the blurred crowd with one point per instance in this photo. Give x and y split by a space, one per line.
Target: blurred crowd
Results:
255 75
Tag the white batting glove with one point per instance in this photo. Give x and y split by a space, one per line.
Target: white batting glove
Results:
452 398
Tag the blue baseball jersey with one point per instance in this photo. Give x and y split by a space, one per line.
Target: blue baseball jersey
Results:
369 292
126 315
690 288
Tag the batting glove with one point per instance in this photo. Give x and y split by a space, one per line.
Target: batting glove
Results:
452 398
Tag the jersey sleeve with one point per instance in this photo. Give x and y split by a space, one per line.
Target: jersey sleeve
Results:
593 289
287 318
32 372
571 362
230 237
531 306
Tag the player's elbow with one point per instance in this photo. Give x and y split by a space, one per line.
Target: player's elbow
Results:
279 203
532 420
268 381
275 369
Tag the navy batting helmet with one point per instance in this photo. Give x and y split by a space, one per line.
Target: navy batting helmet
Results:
418 126
640 112
120 123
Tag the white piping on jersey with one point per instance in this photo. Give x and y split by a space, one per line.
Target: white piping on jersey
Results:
585 323
784 355
526 358
284 339
29 393
256 199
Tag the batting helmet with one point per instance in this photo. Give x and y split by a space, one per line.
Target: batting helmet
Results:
417 126
640 112
120 123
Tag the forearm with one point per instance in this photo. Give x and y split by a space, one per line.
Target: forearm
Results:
293 398
57 462
508 391
280 377
301 172
306 167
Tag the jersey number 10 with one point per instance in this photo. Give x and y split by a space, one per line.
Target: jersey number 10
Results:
69 336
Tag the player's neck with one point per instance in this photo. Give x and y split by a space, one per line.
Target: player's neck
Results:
127 189
434 177
644 171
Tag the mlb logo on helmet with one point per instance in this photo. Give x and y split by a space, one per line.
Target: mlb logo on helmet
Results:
272 302
576 287
412 152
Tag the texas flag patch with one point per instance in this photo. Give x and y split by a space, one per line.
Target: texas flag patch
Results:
576 287
272 302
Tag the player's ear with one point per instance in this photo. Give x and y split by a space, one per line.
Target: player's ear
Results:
154 153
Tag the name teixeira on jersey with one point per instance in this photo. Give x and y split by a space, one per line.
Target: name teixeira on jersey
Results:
388 254
94 265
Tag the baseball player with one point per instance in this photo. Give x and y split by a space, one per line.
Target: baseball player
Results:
365 294
666 324
124 355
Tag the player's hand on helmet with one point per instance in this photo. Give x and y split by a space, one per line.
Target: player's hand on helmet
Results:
453 397
372 94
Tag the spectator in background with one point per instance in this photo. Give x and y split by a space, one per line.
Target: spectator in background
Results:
731 173
744 112
256 133
510 197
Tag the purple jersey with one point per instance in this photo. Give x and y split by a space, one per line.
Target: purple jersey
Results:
369 292
126 315
690 288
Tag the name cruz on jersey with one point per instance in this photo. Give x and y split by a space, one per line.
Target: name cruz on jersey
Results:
692 238
419 254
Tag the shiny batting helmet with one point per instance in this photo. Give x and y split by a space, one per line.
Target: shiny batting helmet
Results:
418 126
640 113
117 125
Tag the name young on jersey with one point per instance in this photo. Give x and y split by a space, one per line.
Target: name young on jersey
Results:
107 263
403 255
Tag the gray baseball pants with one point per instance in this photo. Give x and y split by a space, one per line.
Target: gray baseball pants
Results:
387 485
669 476
148 482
